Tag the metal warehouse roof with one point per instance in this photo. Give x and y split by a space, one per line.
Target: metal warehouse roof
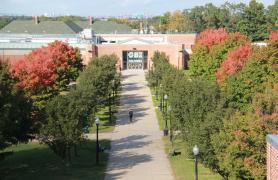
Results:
106 27
44 27
60 27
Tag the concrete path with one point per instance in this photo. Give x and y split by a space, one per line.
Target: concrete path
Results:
137 151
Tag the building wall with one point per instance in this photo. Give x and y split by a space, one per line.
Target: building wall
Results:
13 55
173 51
187 39
272 162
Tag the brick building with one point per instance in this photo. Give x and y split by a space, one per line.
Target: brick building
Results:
134 48
272 157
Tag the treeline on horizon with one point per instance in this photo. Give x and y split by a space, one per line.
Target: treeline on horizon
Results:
254 20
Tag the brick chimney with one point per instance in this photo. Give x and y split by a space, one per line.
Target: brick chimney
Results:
36 20
91 20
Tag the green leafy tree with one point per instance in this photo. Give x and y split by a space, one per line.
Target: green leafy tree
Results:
64 126
211 16
46 72
15 110
272 16
101 82
253 22
260 70
197 107
240 146
210 51
97 78
230 14
67 116
197 17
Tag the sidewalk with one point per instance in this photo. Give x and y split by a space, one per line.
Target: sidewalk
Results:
137 150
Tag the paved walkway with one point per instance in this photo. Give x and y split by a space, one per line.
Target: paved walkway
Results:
137 151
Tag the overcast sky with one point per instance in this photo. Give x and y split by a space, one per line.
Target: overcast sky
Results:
103 7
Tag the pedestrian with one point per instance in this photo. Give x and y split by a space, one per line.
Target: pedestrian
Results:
130 115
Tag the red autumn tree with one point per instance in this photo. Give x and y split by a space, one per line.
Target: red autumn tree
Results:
210 37
273 36
56 64
234 62
211 49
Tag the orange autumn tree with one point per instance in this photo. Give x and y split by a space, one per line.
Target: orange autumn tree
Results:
53 66
235 60
46 72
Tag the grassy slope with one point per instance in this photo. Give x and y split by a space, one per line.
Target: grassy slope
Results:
36 161
183 167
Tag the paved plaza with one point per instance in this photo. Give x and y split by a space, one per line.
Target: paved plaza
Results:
137 149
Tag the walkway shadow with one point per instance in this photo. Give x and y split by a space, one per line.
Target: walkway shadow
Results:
130 142
120 161
127 161
132 99
131 87
126 76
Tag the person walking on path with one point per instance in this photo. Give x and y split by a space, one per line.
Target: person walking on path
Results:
130 115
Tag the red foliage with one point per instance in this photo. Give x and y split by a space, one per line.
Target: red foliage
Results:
39 68
234 62
273 36
210 37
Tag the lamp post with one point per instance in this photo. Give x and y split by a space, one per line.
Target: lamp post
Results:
113 90
171 126
161 97
196 152
156 90
97 144
165 115
165 100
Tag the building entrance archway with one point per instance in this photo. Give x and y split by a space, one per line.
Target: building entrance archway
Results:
135 59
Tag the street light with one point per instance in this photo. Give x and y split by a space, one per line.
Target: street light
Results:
173 151
196 152
165 115
165 98
156 90
161 97
97 144
113 90
171 125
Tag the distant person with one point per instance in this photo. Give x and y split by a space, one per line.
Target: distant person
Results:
130 115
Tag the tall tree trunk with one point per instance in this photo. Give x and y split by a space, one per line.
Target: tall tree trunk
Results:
75 150
68 156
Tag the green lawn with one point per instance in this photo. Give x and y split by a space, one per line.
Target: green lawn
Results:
183 167
105 124
36 161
